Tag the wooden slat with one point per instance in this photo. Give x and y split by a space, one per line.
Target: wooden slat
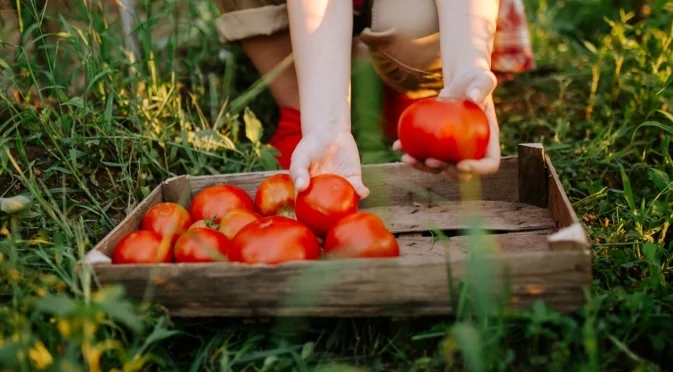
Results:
399 184
393 184
559 206
177 190
532 178
494 215
349 288
129 223
459 246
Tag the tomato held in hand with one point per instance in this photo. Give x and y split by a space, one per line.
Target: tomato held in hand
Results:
274 240
360 235
450 131
201 244
167 220
235 220
275 196
215 201
142 247
327 199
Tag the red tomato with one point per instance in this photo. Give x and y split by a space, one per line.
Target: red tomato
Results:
235 220
327 199
199 223
450 131
274 240
275 195
360 235
215 201
142 247
167 219
203 223
201 244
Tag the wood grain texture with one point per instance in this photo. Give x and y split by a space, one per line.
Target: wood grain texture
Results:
532 176
130 223
413 286
393 184
177 190
455 215
559 206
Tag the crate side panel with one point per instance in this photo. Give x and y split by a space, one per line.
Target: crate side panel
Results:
399 184
178 190
455 215
411 286
559 206
130 223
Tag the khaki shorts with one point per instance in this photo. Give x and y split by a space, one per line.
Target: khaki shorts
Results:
402 37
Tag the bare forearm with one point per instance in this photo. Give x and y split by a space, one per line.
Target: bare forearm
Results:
321 33
467 29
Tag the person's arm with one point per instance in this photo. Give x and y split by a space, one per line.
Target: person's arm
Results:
467 31
321 34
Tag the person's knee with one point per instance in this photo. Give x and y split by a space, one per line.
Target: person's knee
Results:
404 43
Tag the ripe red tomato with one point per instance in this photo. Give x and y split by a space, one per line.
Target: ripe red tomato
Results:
235 220
360 235
327 199
142 247
445 130
215 201
167 219
199 223
274 240
275 195
201 244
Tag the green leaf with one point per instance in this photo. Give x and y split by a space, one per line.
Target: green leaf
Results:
112 301
659 178
4 64
107 115
158 333
58 305
253 127
655 124
75 101
628 192
470 343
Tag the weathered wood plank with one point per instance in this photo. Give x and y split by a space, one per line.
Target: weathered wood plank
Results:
494 215
559 206
129 223
393 184
532 177
459 246
348 288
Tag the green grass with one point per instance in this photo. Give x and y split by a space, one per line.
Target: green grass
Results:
92 132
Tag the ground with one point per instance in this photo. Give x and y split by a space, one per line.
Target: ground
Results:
88 134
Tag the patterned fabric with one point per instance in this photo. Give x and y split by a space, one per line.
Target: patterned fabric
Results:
512 48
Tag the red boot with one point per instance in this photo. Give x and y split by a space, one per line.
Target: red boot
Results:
287 136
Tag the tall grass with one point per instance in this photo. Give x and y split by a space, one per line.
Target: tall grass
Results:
88 131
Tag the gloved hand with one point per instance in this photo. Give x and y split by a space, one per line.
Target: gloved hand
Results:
338 155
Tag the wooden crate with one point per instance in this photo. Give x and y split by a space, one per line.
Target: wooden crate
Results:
543 252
